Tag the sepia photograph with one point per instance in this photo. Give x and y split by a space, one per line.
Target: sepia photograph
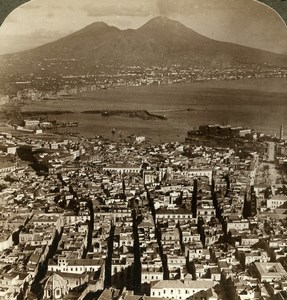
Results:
143 149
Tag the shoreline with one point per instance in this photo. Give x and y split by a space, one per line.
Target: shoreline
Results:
250 102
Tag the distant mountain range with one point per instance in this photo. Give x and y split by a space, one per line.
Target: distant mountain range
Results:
161 41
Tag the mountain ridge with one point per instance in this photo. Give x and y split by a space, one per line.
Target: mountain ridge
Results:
159 41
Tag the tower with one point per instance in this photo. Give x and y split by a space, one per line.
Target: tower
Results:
270 151
281 132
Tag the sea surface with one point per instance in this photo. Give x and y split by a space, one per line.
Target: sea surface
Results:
260 104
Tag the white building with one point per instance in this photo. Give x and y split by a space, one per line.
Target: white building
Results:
75 266
180 289
238 224
31 123
195 173
121 169
269 272
7 167
276 201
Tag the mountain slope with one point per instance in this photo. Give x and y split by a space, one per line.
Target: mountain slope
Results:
159 41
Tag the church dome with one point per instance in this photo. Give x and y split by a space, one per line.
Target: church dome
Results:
55 287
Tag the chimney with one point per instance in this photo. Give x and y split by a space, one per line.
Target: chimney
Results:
281 132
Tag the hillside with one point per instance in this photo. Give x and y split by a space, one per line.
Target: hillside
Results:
160 41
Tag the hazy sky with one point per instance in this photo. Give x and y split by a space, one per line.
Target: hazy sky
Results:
246 22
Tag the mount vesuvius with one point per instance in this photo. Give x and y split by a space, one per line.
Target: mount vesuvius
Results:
161 41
